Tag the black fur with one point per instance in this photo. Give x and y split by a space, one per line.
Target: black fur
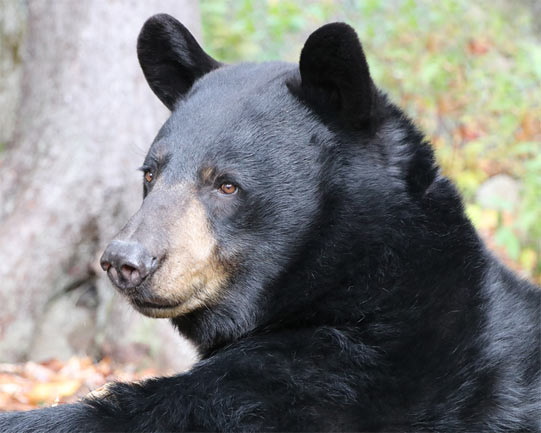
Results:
362 298
171 58
335 76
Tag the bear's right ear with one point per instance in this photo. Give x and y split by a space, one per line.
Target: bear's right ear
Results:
171 58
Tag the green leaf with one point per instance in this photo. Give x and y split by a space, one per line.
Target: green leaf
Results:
506 238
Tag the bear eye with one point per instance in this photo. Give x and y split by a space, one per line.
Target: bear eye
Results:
228 188
148 176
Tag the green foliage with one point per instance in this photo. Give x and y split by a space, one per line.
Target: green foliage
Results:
468 72
258 30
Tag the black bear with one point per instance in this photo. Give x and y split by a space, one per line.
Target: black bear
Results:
296 228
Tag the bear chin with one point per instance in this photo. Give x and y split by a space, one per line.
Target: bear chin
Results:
162 312
167 309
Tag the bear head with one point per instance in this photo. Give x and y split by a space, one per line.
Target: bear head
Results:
249 178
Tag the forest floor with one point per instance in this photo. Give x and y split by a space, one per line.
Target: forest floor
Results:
32 385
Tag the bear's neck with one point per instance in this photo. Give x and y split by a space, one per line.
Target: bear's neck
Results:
406 266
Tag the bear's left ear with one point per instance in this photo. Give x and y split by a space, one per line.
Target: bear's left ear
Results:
335 76
171 58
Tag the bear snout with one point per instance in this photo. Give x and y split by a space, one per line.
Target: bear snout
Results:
127 264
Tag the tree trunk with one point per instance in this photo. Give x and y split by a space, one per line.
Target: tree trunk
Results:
69 181
12 29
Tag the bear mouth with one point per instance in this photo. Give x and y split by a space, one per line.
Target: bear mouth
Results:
147 304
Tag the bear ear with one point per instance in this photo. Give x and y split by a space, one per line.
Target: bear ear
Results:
335 79
171 58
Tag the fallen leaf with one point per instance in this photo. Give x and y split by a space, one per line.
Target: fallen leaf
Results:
48 392
478 47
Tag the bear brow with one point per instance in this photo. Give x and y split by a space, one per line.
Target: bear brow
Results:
207 173
156 161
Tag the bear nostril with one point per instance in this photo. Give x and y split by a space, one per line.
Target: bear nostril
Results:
105 265
113 274
130 274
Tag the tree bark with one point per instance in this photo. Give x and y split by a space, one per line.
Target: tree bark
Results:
69 181
12 30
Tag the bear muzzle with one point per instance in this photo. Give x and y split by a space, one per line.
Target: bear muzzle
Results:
166 260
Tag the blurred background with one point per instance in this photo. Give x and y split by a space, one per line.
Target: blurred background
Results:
76 119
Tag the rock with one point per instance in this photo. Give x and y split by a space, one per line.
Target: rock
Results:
500 192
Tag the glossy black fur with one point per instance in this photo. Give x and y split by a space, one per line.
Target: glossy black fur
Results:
362 298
